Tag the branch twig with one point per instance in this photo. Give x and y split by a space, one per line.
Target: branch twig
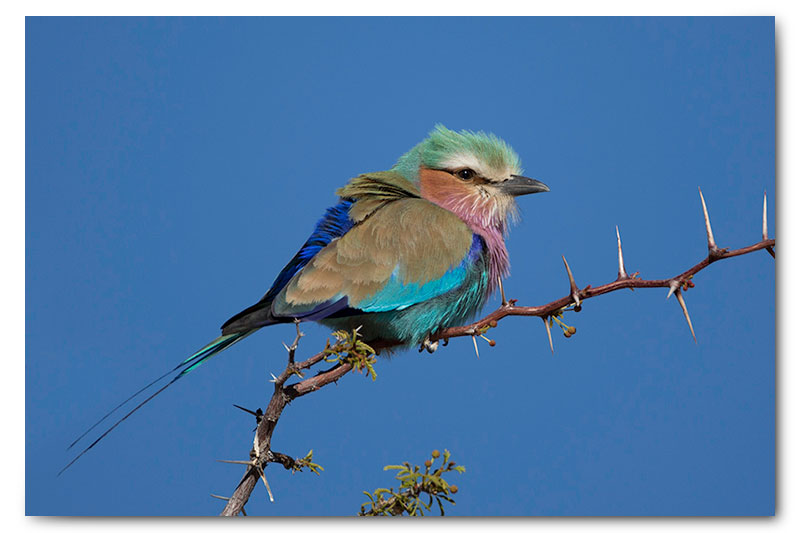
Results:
261 454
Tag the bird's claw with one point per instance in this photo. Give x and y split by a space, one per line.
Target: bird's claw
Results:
428 345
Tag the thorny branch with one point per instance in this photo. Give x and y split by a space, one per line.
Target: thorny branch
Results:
262 454
624 281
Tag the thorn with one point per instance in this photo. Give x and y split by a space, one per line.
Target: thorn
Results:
475 343
264 479
293 348
248 463
246 410
679 296
220 497
502 292
713 252
274 378
710 234
621 274
573 289
549 335
673 286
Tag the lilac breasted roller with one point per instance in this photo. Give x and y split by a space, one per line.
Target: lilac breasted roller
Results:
404 253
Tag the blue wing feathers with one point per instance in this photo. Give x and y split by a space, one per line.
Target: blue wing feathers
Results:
335 223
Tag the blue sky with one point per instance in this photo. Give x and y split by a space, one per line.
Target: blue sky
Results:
173 166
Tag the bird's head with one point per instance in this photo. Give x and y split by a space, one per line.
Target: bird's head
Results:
475 175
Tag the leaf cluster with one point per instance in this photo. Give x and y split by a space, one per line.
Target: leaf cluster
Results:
306 462
348 348
415 484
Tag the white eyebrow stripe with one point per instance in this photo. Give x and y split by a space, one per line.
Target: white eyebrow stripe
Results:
464 159
468 160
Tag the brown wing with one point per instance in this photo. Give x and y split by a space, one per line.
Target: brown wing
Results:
409 241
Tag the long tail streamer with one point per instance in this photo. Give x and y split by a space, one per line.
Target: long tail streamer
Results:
184 367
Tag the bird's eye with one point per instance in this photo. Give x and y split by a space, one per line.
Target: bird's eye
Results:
465 173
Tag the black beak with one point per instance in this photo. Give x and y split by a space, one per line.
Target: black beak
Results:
519 185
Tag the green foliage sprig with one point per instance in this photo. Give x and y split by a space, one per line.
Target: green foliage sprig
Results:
306 462
349 349
415 484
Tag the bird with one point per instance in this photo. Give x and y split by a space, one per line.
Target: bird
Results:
403 254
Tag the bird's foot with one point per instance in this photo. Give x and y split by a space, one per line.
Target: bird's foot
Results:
428 345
